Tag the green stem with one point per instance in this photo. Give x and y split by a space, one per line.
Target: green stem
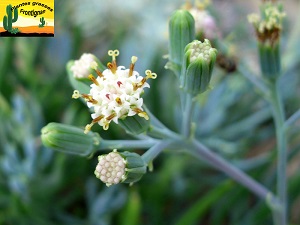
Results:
219 163
127 144
290 121
163 133
187 115
279 119
150 155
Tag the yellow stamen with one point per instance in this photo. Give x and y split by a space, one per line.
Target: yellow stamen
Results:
110 117
76 94
118 100
149 75
93 79
106 126
141 113
99 73
89 126
131 67
89 98
113 66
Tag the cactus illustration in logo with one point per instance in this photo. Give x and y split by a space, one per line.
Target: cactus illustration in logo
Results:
42 20
9 19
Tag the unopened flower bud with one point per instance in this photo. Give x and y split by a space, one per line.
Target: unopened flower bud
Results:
120 167
198 63
181 32
69 139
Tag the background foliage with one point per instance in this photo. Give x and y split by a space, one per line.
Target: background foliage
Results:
39 186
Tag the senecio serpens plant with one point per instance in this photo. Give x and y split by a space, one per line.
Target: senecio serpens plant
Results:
115 95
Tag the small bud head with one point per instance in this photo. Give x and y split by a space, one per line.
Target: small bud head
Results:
117 167
197 66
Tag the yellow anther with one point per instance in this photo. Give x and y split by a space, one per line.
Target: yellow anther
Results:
93 79
76 94
131 67
134 59
141 113
112 67
144 115
88 128
118 100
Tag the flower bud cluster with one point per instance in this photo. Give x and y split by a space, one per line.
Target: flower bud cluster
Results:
117 167
111 168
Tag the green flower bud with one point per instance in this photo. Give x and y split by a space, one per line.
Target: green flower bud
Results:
136 124
69 139
198 63
181 32
120 167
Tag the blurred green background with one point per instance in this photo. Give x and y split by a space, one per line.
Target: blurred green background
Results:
39 186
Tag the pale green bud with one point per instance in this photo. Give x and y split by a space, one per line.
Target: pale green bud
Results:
197 67
69 139
120 167
181 32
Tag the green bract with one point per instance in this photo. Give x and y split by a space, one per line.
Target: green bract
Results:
135 124
197 66
69 139
181 32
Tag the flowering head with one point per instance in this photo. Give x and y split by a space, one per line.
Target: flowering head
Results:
268 26
117 167
83 66
116 93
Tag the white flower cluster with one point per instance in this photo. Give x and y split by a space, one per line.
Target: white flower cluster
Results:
116 93
201 50
82 67
111 168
